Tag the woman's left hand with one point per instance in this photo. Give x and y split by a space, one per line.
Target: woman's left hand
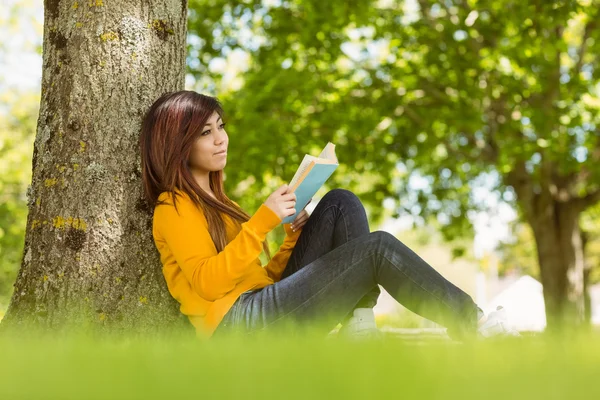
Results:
300 219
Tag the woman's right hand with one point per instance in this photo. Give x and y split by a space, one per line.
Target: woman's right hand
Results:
281 202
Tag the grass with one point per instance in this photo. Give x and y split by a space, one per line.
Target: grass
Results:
300 368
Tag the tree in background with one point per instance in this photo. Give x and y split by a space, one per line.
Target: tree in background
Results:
89 256
518 255
462 93
591 244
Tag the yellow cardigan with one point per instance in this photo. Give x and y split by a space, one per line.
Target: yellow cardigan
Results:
207 283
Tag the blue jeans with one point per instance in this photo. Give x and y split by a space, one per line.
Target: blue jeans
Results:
336 266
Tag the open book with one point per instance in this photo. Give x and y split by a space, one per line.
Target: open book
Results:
310 176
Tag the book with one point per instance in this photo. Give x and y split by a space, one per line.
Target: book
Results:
312 173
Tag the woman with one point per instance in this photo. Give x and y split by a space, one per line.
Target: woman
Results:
327 269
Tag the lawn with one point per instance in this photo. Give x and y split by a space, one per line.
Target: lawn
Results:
276 367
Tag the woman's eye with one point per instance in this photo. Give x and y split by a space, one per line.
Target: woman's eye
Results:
208 131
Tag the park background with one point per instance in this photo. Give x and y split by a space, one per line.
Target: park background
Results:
468 128
433 106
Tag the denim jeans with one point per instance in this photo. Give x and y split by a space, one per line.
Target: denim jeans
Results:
336 266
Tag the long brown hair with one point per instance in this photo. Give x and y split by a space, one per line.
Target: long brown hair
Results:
168 131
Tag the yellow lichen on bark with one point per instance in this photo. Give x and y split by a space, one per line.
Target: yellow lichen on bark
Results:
50 182
108 36
76 223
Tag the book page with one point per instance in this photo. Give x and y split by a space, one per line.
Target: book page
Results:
302 176
303 166
327 156
328 152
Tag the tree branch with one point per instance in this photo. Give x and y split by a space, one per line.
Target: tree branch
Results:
589 27
425 5
520 180
577 178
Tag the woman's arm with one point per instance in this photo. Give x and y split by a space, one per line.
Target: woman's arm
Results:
211 274
279 261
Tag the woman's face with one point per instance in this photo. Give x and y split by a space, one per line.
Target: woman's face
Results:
211 140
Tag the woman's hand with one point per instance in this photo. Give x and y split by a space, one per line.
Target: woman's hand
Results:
281 202
300 219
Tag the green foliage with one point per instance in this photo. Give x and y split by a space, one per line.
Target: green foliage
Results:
591 226
458 92
519 254
18 116
17 132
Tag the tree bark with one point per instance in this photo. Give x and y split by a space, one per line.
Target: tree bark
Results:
587 296
89 257
554 219
561 258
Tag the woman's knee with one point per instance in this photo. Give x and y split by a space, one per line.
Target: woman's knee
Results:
383 237
342 195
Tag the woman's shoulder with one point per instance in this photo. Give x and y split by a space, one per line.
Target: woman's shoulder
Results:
174 217
168 196
176 199
177 206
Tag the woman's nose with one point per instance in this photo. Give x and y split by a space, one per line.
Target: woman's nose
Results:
221 138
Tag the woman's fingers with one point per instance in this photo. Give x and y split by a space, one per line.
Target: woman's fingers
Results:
289 204
302 216
300 220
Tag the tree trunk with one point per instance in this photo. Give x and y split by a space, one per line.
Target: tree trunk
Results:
587 300
89 258
561 258
587 269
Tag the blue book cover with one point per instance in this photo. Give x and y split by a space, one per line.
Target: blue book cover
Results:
310 176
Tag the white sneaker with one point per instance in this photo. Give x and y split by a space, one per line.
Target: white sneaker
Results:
496 323
361 325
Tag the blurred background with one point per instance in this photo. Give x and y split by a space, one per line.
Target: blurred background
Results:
446 115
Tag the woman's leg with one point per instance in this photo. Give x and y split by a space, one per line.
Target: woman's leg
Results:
338 218
327 288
